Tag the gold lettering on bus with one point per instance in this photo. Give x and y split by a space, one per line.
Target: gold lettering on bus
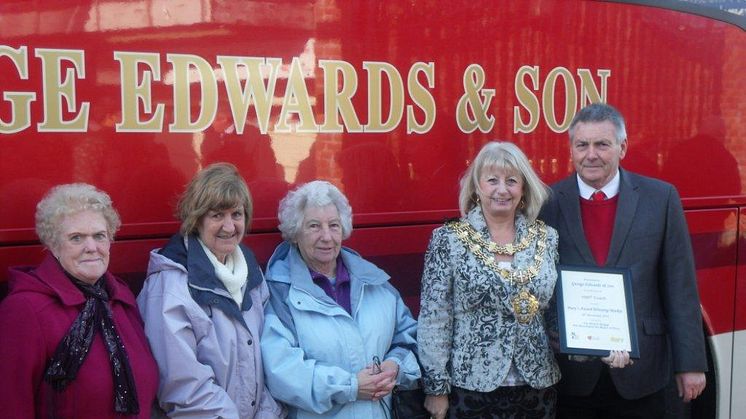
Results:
189 69
472 110
254 91
376 72
58 88
135 90
528 83
252 82
548 96
421 97
527 99
340 85
296 101
588 91
20 102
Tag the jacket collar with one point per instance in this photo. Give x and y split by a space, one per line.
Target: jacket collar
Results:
50 278
287 265
569 204
626 208
201 277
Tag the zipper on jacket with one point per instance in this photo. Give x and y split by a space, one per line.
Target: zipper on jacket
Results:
360 300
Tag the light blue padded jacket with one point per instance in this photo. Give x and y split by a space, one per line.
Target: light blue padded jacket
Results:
313 349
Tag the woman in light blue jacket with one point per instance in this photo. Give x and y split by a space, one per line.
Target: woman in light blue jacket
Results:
331 316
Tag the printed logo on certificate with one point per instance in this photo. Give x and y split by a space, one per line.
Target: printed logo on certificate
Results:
596 311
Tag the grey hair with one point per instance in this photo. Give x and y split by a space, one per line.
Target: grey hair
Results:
503 155
600 112
65 200
318 193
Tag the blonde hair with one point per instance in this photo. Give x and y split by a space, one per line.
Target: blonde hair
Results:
503 155
68 199
217 187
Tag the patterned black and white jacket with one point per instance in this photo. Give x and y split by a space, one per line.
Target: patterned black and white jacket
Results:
468 334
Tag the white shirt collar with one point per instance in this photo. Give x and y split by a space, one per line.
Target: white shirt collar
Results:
611 189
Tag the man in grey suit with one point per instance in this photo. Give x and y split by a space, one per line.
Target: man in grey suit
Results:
607 216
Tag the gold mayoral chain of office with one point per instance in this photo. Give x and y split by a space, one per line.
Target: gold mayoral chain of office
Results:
525 305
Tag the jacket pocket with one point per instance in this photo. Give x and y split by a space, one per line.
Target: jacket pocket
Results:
654 326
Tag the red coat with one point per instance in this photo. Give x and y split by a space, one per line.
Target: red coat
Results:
41 305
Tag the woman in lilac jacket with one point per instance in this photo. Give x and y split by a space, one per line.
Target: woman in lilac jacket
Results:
203 305
71 339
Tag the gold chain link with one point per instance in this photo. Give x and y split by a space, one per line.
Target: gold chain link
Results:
525 305
507 249
467 234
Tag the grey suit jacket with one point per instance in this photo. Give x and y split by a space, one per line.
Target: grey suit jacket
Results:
650 237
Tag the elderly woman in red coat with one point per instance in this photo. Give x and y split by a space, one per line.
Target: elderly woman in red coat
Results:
71 338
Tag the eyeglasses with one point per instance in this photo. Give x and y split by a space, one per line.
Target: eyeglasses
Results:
376 365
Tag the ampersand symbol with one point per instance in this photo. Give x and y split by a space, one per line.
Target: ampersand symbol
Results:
473 105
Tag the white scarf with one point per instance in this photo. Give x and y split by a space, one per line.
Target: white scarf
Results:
233 274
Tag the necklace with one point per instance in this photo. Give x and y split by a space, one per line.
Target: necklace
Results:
525 305
509 249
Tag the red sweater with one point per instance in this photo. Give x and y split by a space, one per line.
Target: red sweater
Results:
598 225
37 313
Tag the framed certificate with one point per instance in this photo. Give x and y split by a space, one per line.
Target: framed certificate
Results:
595 311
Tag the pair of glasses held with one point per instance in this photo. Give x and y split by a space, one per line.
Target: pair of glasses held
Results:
376 367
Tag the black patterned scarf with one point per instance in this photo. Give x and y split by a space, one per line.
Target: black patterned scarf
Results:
74 346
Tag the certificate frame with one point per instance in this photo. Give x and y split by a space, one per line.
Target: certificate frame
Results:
595 311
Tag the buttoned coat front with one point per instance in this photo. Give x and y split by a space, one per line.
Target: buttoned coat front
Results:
650 237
